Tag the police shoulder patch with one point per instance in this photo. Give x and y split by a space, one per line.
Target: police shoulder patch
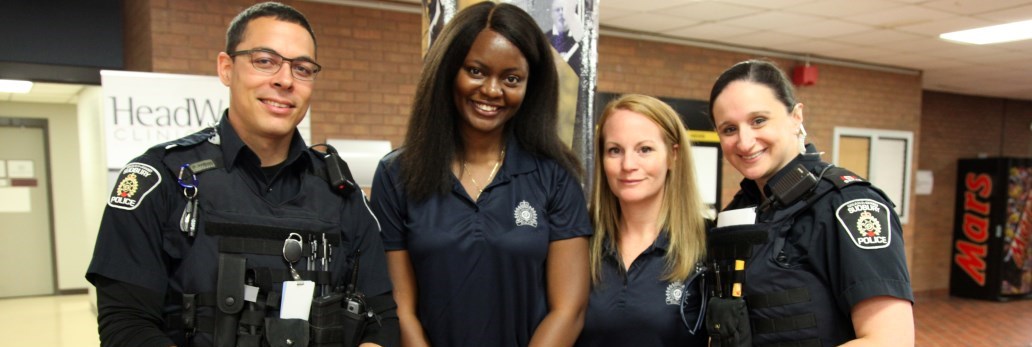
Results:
134 183
866 222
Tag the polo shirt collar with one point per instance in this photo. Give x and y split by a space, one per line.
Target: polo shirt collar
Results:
662 243
517 160
235 152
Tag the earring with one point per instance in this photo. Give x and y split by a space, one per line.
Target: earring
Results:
802 139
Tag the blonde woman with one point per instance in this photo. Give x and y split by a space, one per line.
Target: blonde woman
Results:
649 230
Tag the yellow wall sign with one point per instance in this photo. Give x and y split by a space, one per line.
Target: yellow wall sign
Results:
703 136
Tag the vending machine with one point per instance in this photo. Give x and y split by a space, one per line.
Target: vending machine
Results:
992 233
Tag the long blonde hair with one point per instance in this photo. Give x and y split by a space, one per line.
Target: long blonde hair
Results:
681 214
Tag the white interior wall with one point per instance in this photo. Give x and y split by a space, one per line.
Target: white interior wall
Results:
67 191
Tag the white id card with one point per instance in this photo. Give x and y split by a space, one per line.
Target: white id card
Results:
297 299
737 217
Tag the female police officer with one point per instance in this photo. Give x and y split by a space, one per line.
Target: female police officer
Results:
833 270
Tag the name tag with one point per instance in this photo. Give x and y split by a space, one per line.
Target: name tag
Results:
297 299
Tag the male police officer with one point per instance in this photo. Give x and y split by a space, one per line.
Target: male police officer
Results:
225 236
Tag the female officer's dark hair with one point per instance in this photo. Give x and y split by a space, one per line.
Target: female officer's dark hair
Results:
758 71
276 10
433 141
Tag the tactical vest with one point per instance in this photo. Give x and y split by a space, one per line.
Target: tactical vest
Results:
789 305
239 240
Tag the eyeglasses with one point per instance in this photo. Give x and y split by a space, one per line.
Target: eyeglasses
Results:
699 279
270 62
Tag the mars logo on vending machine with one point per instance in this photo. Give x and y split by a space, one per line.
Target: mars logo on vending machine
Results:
971 250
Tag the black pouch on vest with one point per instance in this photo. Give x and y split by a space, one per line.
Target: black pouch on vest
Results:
229 298
727 321
354 322
286 332
325 318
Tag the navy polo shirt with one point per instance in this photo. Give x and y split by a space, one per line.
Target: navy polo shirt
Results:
637 307
480 265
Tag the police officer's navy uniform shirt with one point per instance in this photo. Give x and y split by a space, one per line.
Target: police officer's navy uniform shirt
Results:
129 244
140 240
480 266
637 307
850 240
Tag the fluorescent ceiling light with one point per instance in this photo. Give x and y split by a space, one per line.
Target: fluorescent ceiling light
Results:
1015 31
15 86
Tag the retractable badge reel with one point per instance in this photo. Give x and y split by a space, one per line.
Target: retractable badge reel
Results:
297 294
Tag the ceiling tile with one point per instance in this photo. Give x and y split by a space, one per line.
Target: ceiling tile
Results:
711 11
972 52
921 61
650 22
934 28
771 20
876 37
918 45
898 16
764 39
859 53
1019 46
814 46
1000 58
1009 15
968 7
770 4
637 5
709 31
839 8
823 29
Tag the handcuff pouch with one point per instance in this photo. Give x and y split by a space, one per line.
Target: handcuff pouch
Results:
280 332
727 321
229 298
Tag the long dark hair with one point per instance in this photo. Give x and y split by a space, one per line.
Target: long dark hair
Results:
758 71
432 140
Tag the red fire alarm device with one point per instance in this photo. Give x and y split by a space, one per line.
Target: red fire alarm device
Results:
805 75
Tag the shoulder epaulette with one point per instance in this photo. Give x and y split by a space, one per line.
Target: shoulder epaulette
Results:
841 177
190 140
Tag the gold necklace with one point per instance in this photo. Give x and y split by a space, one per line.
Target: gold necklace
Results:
494 170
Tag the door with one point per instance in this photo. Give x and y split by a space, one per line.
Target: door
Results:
26 249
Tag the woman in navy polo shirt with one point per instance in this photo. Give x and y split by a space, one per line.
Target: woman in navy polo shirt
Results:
483 215
649 230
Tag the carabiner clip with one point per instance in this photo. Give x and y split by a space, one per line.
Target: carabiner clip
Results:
192 179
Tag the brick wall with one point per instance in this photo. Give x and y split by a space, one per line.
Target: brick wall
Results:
954 127
370 58
137 35
372 61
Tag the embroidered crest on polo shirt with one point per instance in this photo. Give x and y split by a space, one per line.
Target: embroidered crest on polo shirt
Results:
866 222
134 183
525 214
674 291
